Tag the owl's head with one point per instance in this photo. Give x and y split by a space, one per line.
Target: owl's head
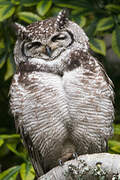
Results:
49 40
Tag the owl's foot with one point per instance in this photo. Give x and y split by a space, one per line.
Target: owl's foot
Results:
61 163
75 155
66 157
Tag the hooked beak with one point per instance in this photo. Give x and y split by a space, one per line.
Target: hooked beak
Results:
48 51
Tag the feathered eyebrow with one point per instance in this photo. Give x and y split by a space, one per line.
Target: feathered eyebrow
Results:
22 48
71 35
58 37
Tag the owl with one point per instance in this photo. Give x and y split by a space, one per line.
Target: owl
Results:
60 96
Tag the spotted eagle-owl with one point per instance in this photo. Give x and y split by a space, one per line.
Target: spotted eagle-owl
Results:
61 96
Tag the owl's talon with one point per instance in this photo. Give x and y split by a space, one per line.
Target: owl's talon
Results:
75 155
60 162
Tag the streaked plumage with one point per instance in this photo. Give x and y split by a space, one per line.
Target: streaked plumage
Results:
61 96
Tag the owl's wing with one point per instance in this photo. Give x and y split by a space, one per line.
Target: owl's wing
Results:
34 153
18 105
90 97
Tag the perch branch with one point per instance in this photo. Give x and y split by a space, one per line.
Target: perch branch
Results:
102 166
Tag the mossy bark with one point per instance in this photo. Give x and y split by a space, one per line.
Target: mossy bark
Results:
102 166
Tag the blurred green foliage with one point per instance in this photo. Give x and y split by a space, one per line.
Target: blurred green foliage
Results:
98 18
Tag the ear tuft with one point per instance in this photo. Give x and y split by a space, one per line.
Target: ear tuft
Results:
19 29
62 19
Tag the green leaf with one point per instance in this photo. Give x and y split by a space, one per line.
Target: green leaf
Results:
27 172
1 142
2 45
6 12
113 7
9 136
81 20
81 4
2 59
117 129
116 149
10 69
28 17
116 40
4 2
10 174
43 7
113 143
91 28
118 18
98 46
114 146
69 5
54 11
11 148
105 24
28 3
16 2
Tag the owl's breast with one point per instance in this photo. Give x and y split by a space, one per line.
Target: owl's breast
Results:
91 109
40 102
47 91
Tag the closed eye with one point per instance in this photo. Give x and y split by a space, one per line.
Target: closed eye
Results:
27 46
59 37
33 44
